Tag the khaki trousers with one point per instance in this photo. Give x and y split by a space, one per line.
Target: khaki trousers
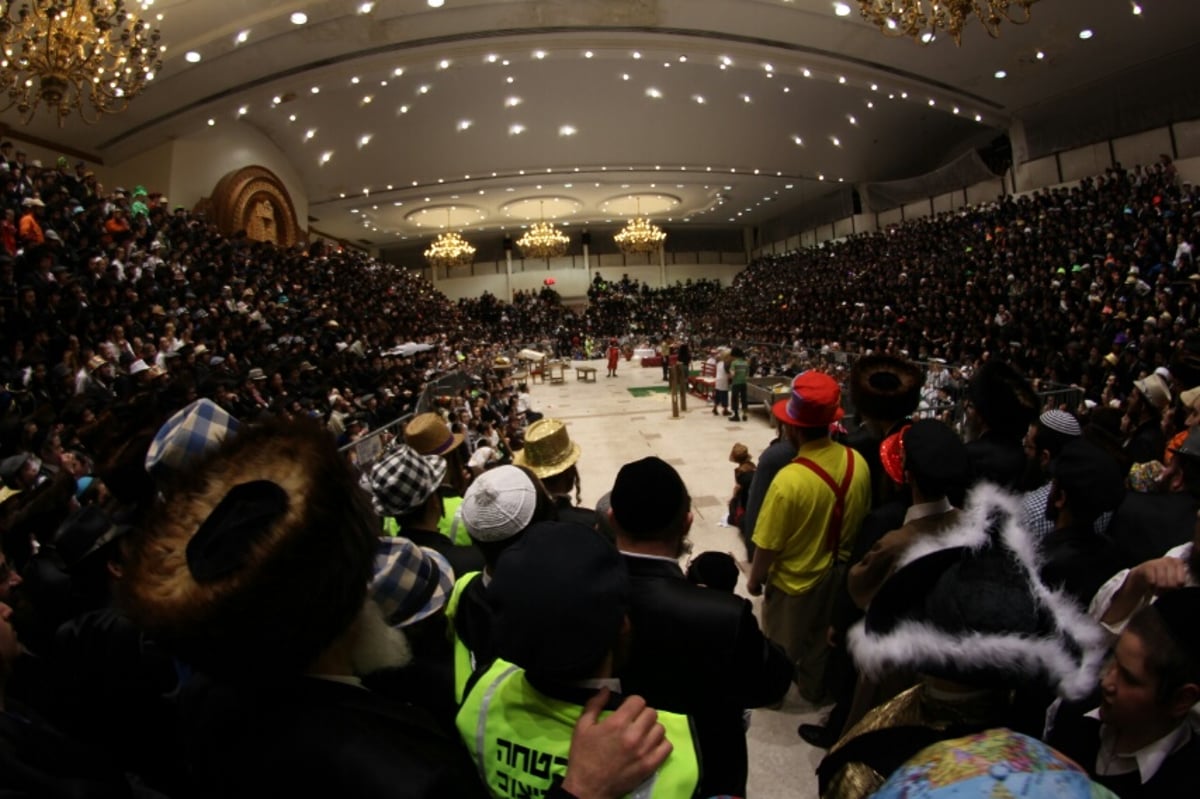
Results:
798 623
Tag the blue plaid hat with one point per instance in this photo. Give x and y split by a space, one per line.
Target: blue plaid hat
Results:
193 431
410 582
403 479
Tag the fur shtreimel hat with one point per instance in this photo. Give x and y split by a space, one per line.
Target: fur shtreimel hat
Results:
258 561
968 606
885 387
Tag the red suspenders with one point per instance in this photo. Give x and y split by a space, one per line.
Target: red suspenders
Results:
833 536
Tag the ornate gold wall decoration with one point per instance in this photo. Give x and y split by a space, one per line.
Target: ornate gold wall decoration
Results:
254 200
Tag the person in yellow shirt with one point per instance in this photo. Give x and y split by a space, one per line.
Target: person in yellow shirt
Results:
805 531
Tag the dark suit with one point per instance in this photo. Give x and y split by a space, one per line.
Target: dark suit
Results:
700 651
1147 525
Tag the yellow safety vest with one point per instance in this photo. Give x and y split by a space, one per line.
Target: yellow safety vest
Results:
464 658
520 739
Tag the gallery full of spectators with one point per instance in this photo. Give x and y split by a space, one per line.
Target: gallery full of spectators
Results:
204 594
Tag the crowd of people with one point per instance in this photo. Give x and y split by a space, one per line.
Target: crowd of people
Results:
205 592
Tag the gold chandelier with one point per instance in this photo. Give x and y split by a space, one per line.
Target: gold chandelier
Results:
924 19
90 56
543 240
450 249
640 235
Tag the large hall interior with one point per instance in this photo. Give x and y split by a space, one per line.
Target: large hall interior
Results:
289 287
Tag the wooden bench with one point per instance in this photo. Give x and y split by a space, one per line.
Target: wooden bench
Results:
704 384
585 373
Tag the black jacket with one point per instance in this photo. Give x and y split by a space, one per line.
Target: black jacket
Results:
700 651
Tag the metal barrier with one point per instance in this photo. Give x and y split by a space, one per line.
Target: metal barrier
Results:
370 447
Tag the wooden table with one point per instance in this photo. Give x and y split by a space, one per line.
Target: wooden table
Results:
585 373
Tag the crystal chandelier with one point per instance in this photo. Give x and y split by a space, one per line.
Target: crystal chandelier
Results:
640 235
543 240
450 249
85 56
924 19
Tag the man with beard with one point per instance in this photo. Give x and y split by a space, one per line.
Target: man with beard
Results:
694 650
1046 438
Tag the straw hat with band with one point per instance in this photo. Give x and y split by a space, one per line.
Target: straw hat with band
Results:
429 434
548 449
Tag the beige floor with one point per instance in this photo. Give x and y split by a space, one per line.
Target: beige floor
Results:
612 428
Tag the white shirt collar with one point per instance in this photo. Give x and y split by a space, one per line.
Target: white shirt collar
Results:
1146 761
925 509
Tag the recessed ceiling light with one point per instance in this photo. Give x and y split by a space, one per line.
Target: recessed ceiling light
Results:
243 110
315 90
211 122
874 87
903 95
325 156
624 76
567 130
1000 74
354 80
505 62
841 9
1086 33
192 57
1137 10
978 117
682 59
299 18
798 141
444 63
787 89
653 92
435 3
932 102
365 8
841 78
870 104
636 55
1040 56
403 109
367 99
927 37
516 129
699 98
836 141
806 72
242 37
397 72
512 102
423 88
666 65
383 83
509 79
308 134
464 124
745 98
291 118
955 109
769 67
491 58
851 118
539 54
588 53
276 100
364 140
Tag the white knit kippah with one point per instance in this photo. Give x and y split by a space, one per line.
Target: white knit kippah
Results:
1061 422
499 504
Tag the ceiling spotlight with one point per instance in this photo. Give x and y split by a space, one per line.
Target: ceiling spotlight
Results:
798 141
699 98
653 92
624 76
276 100
512 102
1137 10
364 140
211 122
567 130
927 37
192 57
354 80
516 129
315 90
291 118
367 99
978 117
587 53
841 9
745 98
1000 74
636 55
1040 56
539 54
464 124
491 58
836 141
325 156
1086 34
806 72
299 18
242 37
403 109
308 134
444 63
436 3
397 72
423 88
365 8
243 110
852 120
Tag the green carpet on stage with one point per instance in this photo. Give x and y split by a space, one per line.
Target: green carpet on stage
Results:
645 391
